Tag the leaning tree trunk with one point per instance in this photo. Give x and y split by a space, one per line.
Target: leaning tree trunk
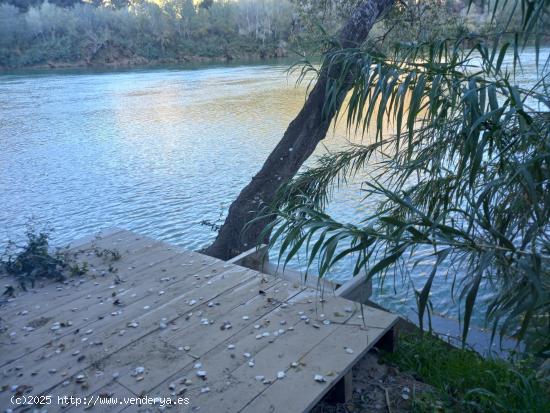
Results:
298 143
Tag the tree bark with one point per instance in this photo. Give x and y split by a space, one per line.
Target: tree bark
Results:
298 143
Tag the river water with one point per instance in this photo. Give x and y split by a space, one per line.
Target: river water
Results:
156 151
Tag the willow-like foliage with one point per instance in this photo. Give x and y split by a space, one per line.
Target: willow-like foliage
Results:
466 173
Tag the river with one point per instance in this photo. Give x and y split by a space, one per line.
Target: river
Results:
156 151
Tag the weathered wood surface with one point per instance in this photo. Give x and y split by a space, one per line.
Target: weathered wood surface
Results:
162 309
357 289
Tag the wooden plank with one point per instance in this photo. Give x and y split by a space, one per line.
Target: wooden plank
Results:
230 398
137 252
197 336
164 358
258 259
154 356
215 356
269 357
87 311
372 318
112 239
254 258
161 265
243 302
58 352
62 293
327 358
357 289
299 277
136 308
169 299
103 234
280 358
75 289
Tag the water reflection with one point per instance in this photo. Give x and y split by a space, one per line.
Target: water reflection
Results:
154 151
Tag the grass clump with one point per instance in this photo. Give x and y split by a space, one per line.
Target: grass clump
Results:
466 382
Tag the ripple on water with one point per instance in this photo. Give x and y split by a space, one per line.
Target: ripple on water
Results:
154 151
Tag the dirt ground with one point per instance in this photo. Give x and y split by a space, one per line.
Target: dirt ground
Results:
377 388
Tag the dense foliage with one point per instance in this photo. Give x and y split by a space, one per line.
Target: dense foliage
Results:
409 20
139 32
464 176
465 382
131 32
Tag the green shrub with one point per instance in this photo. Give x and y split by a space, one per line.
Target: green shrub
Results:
33 260
466 382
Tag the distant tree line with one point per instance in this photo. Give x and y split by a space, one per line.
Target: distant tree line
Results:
411 21
111 32
134 32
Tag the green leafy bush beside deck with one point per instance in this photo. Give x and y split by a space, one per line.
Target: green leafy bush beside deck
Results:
466 382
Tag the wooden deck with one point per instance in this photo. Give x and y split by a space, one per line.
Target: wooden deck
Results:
166 314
